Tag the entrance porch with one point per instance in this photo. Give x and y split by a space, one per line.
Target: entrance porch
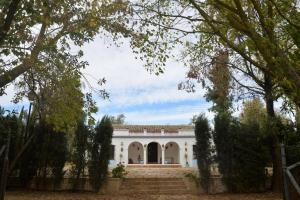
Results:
153 154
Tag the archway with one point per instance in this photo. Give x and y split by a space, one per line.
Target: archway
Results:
172 153
154 154
135 153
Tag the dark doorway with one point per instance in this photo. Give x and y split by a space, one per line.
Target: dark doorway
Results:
152 153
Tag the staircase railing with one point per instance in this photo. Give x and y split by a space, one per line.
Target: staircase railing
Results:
288 176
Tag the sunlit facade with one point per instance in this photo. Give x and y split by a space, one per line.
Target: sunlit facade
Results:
153 145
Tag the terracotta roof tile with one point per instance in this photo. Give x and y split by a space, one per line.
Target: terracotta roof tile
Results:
152 128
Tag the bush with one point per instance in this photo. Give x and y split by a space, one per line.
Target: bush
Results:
241 154
250 159
193 177
119 171
46 156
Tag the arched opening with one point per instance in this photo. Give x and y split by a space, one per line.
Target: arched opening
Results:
135 153
172 153
154 155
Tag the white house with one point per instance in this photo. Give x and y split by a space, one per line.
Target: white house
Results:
153 145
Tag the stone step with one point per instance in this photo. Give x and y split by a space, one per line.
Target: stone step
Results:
152 179
153 183
155 191
176 185
154 166
153 186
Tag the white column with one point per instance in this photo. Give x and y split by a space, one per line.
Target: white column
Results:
163 154
181 154
145 155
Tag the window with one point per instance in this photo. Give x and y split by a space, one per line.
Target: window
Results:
112 152
194 152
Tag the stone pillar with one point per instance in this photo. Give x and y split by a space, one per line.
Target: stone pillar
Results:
145 154
163 154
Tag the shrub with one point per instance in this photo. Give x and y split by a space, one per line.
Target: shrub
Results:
119 171
193 177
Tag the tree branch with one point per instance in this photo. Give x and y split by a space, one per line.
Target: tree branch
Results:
28 62
222 37
12 9
283 16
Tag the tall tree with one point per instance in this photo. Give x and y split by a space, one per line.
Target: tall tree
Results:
220 78
55 93
223 134
203 150
100 152
253 112
119 119
79 152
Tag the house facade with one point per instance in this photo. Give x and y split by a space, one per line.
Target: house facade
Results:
153 145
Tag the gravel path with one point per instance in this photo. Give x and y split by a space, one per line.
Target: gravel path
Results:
90 196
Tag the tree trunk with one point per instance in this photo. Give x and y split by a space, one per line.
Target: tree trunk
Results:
20 153
4 174
277 182
297 118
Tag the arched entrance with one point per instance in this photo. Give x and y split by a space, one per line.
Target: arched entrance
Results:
172 153
154 155
135 153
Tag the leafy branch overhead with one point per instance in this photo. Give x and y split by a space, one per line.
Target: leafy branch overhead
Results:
37 38
261 34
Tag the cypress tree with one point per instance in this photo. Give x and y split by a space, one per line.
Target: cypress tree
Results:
203 149
100 153
219 94
80 147
58 156
224 141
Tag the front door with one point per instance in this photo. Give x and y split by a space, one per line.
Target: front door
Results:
152 153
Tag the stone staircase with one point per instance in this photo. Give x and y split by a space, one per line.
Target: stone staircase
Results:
153 186
158 172
154 166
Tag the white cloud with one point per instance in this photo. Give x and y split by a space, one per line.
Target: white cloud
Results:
128 82
150 96
130 85
174 115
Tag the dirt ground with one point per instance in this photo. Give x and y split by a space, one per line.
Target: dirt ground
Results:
90 196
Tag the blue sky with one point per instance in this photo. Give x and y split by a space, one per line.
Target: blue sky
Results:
144 98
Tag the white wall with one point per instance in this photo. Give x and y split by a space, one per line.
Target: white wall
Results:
183 143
